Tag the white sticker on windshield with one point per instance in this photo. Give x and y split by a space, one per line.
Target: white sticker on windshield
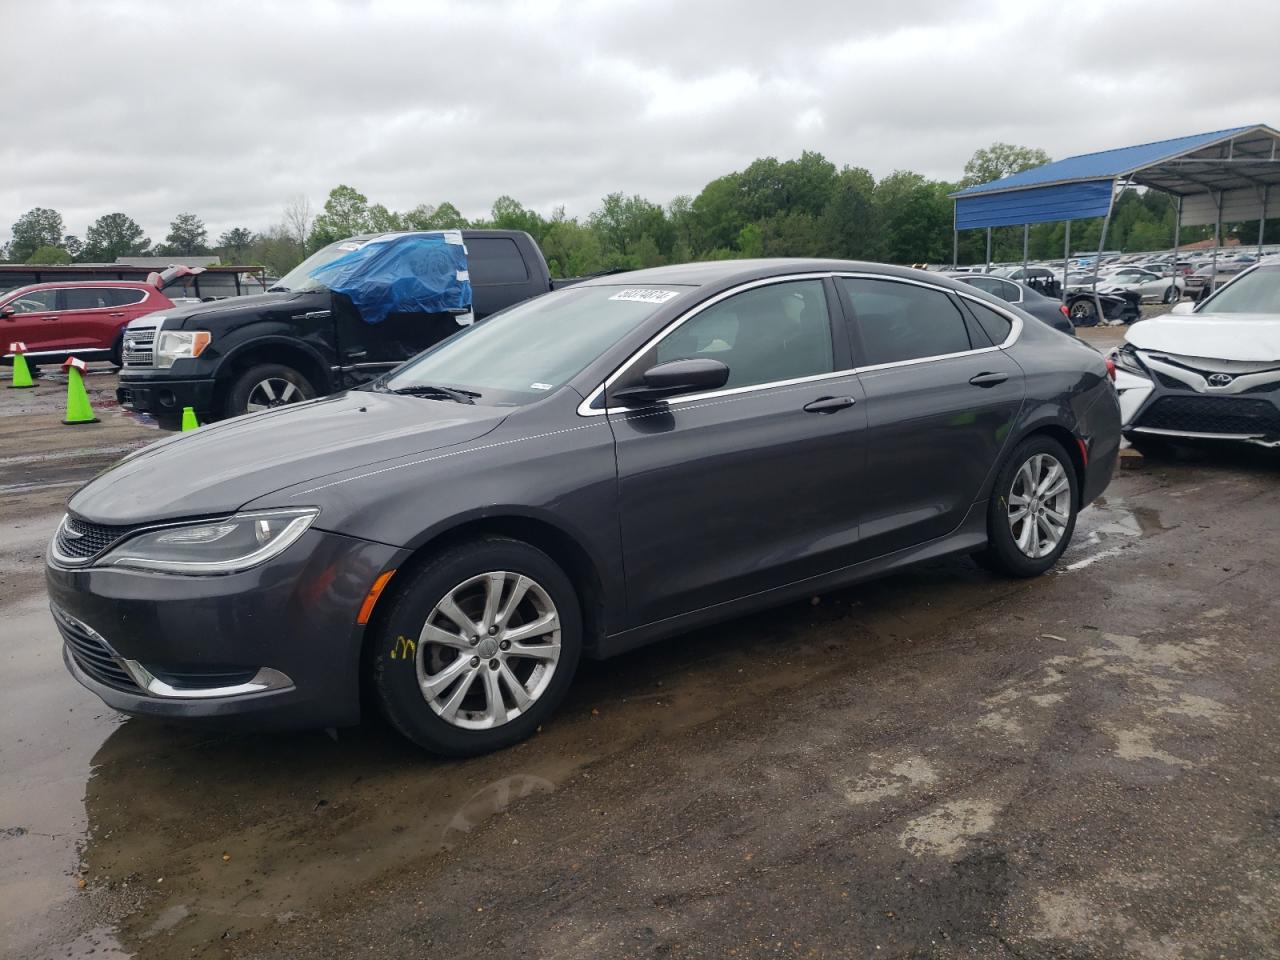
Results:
645 295
349 246
539 386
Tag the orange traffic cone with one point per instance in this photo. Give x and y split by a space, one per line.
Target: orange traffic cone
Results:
21 373
78 408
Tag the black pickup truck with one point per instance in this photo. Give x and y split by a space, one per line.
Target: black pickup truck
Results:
300 339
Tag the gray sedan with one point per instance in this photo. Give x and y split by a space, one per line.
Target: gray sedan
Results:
1045 309
581 474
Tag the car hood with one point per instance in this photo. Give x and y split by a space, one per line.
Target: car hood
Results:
220 467
1217 336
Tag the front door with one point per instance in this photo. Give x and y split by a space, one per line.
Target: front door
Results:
940 403
33 321
754 485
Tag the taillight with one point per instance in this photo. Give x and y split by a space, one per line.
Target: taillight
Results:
1111 369
1062 308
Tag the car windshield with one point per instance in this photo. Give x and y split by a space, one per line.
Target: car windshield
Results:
526 352
298 280
1253 293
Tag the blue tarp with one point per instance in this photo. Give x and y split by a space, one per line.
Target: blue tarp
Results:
402 273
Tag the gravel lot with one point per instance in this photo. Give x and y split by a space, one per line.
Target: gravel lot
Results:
938 764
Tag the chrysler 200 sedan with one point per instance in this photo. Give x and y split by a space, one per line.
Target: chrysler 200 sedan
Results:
580 474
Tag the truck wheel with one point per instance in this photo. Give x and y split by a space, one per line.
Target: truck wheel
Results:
264 386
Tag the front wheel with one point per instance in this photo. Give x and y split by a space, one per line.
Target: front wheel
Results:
265 386
1032 512
1172 295
478 647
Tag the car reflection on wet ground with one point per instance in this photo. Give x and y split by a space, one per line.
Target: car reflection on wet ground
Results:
940 763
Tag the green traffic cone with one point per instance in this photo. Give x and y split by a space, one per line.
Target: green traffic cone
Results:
78 408
21 373
189 421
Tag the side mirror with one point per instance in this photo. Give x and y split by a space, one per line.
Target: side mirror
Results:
1183 307
675 377
8 311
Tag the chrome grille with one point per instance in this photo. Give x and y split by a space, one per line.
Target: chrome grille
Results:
138 349
79 539
91 654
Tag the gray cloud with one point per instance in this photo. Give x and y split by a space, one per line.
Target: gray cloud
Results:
227 112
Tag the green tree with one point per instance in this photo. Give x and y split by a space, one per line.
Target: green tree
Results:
847 223
346 213
571 249
38 227
74 246
114 235
914 217
426 217
382 220
187 235
234 244
1001 160
49 254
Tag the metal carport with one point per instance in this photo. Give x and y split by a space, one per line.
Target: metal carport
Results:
1226 174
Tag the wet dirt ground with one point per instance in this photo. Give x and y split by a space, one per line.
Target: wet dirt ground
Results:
938 764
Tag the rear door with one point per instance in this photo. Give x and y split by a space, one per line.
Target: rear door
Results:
754 485
88 320
940 404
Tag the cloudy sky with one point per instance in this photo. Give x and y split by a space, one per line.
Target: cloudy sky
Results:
229 111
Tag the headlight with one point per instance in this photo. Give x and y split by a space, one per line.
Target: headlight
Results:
1126 357
216 546
174 345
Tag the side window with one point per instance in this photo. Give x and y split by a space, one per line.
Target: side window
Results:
85 298
125 297
495 260
778 332
985 284
1008 292
995 325
904 321
35 301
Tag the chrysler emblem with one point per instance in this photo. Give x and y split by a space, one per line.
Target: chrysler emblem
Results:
70 532
1220 379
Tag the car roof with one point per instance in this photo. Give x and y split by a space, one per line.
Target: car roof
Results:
716 272
55 284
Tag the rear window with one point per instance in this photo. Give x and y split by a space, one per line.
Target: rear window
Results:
125 297
495 260
995 325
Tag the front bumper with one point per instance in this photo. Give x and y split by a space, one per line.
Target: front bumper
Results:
279 642
166 397
1170 401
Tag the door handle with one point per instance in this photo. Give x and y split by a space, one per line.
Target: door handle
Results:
829 404
117 314
988 379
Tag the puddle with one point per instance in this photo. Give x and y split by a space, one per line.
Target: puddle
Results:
1106 529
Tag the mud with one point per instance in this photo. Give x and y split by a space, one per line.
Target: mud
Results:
939 764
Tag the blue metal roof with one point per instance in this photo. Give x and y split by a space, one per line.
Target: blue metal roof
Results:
1063 201
1103 165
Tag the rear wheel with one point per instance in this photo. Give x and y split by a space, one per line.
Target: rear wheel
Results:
1084 313
264 386
1172 295
1032 512
478 647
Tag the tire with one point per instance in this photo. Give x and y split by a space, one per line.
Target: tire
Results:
264 386
460 719
1172 295
1003 553
1084 312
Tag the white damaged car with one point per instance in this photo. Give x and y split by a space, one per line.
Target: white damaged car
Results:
1206 372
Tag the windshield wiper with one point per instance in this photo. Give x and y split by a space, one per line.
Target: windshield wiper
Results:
433 390
277 289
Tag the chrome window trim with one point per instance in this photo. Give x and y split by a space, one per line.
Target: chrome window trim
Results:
585 408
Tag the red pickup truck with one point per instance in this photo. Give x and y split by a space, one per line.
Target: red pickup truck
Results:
84 318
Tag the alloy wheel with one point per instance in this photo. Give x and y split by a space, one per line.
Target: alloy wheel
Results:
488 650
1039 505
273 392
